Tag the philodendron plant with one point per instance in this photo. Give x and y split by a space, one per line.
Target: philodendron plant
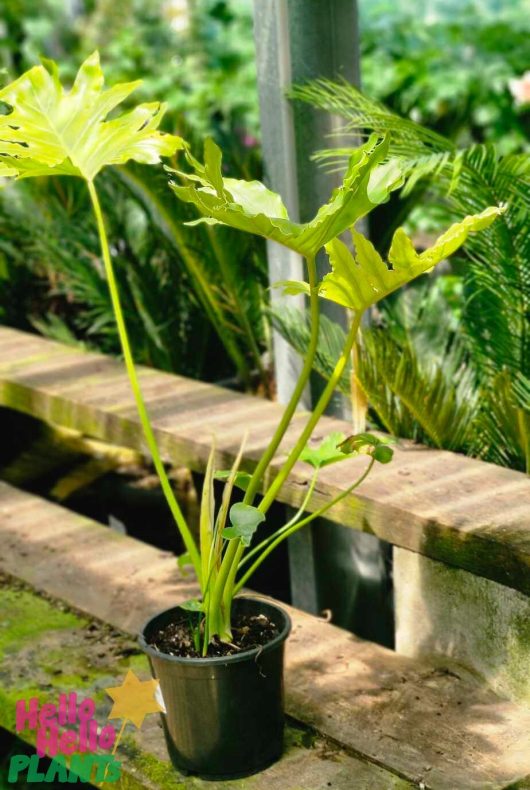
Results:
49 131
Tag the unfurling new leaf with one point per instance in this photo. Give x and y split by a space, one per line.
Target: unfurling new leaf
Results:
368 444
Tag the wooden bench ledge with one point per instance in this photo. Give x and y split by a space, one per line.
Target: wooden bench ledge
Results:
460 511
425 722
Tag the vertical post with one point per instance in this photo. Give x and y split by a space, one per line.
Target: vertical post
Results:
299 40
296 41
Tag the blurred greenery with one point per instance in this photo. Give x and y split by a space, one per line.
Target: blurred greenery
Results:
196 299
448 64
198 57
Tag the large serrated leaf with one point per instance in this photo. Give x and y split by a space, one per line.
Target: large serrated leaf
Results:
50 131
251 207
359 281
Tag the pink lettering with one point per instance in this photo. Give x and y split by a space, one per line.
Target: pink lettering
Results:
47 738
27 715
68 742
47 714
107 737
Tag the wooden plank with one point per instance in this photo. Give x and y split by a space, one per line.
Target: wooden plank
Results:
451 508
43 643
427 722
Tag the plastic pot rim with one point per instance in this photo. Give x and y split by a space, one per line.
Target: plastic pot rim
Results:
245 655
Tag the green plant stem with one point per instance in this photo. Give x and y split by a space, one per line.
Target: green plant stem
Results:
318 411
297 516
187 537
286 533
305 373
238 550
227 573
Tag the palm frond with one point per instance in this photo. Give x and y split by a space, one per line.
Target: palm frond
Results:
502 427
227 278
432 409
294 326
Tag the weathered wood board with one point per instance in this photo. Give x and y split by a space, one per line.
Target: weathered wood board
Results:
451 508
423 721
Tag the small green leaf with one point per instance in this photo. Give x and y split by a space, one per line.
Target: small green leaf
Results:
292 287
383 453
184 560
193 605
245 520
327 452
241 480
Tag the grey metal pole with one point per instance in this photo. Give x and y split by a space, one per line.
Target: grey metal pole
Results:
299 40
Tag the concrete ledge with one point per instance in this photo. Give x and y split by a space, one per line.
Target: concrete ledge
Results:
444 611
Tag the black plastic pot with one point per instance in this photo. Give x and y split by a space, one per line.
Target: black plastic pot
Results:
224 715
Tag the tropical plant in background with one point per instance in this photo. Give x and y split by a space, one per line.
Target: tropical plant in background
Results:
64 296
431 379
49 130
52 282
162 267
450 66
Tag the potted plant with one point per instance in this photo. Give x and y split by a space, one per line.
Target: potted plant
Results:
219 658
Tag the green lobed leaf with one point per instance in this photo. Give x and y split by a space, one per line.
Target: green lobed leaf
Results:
50 131
251 207
359 281
327 452
292 287
245 520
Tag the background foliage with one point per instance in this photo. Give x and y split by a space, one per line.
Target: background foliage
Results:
446 362
194 299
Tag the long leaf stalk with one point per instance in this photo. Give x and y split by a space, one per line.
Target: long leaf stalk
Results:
283 533
225 582
298 391
316 414
187 537
236 550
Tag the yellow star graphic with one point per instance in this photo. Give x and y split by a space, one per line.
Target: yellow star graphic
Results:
134 699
